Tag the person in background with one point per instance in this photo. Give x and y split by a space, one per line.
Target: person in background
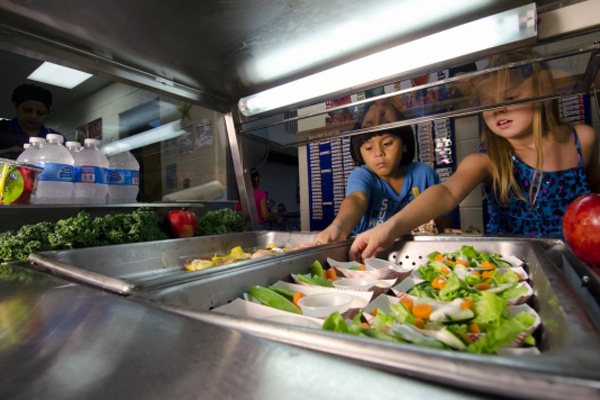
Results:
260 198
281 210
386 178
531 165
32 105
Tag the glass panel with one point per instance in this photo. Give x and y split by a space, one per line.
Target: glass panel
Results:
450 92
182 149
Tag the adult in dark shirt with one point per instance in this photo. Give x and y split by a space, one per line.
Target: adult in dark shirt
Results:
32 104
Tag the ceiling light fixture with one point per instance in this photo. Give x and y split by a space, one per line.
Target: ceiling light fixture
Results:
496 30
58 75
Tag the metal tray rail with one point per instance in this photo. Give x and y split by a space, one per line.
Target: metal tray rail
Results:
568 366
129 268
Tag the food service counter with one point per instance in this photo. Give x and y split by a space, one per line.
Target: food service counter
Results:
62 340
568 338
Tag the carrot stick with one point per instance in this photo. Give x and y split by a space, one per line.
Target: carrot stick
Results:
438 282
483 286
408 303
297 296
468 303
487 266
331 274
473 328
422 311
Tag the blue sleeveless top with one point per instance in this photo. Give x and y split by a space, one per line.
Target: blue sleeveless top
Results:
558 190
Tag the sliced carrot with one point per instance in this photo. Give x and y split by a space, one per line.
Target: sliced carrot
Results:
445 270
483 286
448 261
419 322
463 262
487 274
297 296
373 312
477 273
519 275
331 274
487 266
422 311
365 325
473 328
465 337
438 282
439 257
362 267
408 303
468 303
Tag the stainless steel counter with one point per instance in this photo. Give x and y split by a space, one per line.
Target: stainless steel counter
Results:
61 340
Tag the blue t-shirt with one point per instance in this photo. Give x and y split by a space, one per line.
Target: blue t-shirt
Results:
383 202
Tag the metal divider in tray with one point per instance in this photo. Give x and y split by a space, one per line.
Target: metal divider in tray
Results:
565 364
135 267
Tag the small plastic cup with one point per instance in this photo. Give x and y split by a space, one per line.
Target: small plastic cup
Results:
379 263
355 283
321 305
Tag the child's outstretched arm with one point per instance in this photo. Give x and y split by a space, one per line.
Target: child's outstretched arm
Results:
351 210
434 201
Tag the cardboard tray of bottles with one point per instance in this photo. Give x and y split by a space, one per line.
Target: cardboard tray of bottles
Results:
567 365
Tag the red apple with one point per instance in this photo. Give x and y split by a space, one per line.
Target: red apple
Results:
581 227
181 224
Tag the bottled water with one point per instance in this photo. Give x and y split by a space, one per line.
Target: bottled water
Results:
123 178
91 187
35 144
75 150
55 183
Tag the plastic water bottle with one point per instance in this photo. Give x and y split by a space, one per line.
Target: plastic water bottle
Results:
55 183
123 178
75 150
91 187
35 144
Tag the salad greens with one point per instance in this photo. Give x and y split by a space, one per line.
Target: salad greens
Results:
461 304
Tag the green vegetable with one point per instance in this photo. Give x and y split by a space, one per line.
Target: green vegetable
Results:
335 322
502 335
80 231
288 293
219 222
273 299
488 310
316 269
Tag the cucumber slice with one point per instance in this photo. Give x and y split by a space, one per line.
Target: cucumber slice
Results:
451 339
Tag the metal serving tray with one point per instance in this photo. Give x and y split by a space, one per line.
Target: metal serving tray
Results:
142 266
568 366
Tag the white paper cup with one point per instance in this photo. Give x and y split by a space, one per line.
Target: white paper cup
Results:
379 263
355 283
321 305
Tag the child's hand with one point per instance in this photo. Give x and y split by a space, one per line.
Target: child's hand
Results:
330 234
371 242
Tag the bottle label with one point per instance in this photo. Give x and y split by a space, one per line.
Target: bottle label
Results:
84 174
123 177
100 175
54 172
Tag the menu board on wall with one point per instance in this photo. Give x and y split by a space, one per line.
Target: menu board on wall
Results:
329 164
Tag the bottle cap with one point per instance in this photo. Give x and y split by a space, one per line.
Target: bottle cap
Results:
91 142
55 137
36 139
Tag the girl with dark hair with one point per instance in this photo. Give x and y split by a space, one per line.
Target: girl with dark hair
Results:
386 178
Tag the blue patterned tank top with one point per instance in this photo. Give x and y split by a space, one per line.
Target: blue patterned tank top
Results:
558 190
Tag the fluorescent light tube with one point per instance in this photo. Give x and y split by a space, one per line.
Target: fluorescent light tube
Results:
159 134
493 31
58 75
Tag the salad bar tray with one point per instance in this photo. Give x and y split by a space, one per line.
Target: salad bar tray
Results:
129 268
562 363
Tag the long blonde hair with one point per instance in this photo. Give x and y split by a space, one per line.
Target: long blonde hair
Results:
545 120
